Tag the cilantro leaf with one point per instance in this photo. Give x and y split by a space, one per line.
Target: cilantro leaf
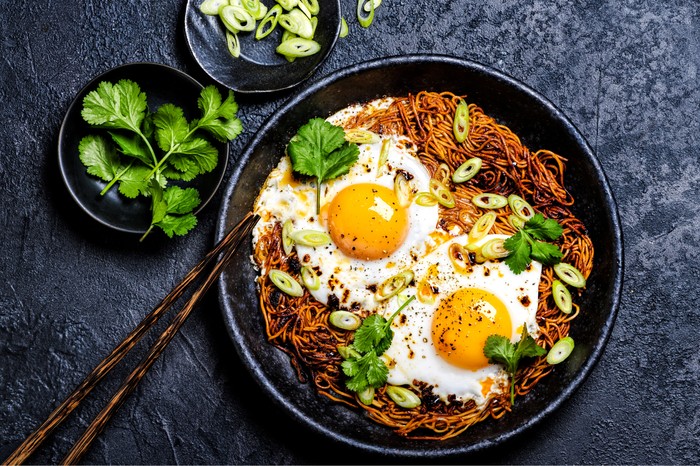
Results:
181 201
132 146
196 155
529 243
218 118
370 333
99 157
132 182
500 350
118 106
177 225
171 126
319 149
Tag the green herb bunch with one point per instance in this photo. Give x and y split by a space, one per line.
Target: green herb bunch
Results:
143 151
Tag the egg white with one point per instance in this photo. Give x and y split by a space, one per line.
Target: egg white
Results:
413 356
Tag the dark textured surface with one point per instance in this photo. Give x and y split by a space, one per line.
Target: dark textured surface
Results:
624 72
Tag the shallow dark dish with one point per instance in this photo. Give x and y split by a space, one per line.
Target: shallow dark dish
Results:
259 69
162 84
540 125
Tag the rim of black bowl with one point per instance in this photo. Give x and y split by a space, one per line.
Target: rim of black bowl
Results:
616 248
219 172
198 25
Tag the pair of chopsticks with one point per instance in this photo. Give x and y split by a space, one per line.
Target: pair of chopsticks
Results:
225 250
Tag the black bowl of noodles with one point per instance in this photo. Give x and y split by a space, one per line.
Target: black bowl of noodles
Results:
539 125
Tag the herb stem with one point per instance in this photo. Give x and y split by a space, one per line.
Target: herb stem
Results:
173 149
401 308
116 178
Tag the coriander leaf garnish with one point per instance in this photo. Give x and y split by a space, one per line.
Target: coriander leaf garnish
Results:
147 150
363 365
500 350
319 149
529 243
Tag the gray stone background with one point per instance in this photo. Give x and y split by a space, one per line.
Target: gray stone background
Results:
624 71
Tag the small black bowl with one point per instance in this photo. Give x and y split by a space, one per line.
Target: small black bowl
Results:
161 84
539 124
259 69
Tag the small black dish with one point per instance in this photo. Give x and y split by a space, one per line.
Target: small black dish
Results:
540 125
259 69
161 84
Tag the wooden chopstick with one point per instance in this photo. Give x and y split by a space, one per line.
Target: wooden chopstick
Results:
227 246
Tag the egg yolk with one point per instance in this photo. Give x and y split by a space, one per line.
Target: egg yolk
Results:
366 221
462 323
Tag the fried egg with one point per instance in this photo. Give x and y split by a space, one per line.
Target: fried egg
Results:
374 236
439 339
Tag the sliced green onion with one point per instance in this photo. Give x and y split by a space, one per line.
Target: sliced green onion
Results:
402 189
297 22
441 193
236 3
287 241
254 7
426 199
394 285
310 279
442 174
467 170
482 226
286 282
233 44
288 4
403 397
516 222
562 297
343 28
298 47
368 6
489 201
212 7
310 237
366 396
460 126
347 352
459 257
268 23
286 35
344 320
424 293
365 19
570 275
561 350
236 19
494 249
311 6
361 136
383 155
314 25
520 207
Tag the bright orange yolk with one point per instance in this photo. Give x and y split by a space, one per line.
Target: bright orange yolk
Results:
366 221
463 322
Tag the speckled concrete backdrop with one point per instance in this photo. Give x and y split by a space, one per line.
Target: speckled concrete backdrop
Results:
625 72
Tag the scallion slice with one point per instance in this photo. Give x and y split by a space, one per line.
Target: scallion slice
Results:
233 44
368 6
459 258
268 23
562 297
312 238
288 4
212 7
310 279
441 193
403 397
460 126
365 17
236 19
516 222
343 28
311 5
467 170
561 350
520 207
394 285
481 227
425 199
345 320
442 174
285 282
297 22
361 136
254 7
383 155
287 241
366 396
489 201
402 189
298 47
494 249
570 275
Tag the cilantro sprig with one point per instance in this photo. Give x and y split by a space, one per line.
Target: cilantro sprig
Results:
363 366
500 350
319 149
529 243
143 151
